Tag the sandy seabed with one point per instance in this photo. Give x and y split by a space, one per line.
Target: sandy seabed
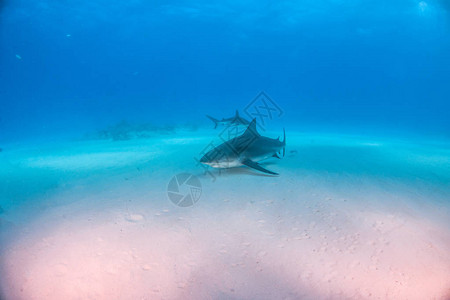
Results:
348 218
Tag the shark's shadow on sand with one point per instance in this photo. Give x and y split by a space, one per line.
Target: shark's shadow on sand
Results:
242 171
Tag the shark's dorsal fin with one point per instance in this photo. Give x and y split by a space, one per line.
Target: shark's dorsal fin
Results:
251 129
237 113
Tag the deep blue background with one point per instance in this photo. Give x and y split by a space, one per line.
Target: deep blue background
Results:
381 66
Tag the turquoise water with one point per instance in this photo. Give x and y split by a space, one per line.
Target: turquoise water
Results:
103 123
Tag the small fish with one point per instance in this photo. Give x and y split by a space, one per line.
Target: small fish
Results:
18 56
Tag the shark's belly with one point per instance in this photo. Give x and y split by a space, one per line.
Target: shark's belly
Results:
257 154
226 164
259 158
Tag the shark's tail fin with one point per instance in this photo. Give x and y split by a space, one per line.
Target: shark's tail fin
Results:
284 142
216 122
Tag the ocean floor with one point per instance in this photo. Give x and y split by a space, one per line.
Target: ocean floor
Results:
348 218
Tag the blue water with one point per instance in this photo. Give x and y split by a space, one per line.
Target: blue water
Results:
102 115
71 67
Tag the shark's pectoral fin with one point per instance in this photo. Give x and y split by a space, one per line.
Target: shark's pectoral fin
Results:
255 165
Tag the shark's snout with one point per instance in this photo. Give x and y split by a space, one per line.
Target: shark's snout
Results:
204 159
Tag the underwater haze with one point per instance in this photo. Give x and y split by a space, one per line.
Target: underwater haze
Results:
74 66
224 149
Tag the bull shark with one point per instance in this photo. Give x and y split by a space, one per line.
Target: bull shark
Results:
236 120
247 149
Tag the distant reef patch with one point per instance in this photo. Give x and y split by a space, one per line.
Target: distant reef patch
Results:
125 130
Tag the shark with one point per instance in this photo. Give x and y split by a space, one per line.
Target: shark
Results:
247 149
235 120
